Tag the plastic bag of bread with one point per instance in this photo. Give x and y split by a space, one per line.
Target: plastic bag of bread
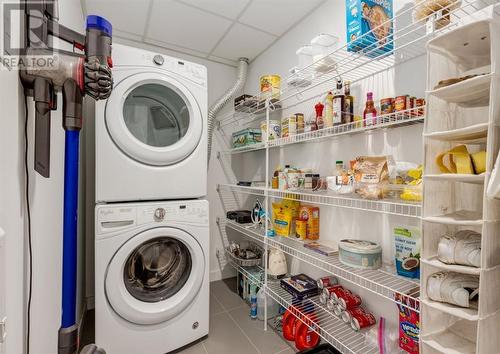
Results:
425 8
371 173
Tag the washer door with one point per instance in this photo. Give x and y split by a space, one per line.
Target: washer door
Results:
154 119
155 275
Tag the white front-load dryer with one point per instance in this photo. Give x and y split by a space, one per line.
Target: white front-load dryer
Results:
151 133
151 276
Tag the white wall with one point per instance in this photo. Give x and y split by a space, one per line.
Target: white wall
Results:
403 143
12 211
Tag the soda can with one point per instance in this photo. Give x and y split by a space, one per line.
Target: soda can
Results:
330 304
327 281
362 320
348 300
328 291
323 298
335 291
337 310
347 315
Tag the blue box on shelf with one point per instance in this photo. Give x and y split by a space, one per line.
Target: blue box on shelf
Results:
300 286
370 27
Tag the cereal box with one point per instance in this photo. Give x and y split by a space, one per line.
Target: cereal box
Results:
370 27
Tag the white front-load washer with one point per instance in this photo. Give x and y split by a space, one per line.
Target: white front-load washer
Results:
151 133
151 276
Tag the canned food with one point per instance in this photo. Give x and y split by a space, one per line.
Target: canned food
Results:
386 105
327 281
347 315
402 103
420 102
362 320
292 125
274 131
348 300
299 117
270 86
301 229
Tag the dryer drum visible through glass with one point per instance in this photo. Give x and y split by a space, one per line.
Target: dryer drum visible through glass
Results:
154 119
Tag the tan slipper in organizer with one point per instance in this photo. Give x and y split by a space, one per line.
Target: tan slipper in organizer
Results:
479 161
458 161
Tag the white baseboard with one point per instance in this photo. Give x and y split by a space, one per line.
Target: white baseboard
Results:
217 274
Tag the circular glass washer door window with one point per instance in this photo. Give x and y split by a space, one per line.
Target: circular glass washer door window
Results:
154 119
155 275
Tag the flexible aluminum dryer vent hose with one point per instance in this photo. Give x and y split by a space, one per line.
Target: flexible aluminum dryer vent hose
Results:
224 99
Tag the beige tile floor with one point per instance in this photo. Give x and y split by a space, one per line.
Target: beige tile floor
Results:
231 328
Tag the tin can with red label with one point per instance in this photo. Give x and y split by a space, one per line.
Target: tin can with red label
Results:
348 300
386 109
347 315
334 292
401 104
362 319
327 281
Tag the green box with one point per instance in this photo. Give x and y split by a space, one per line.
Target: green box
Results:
246 137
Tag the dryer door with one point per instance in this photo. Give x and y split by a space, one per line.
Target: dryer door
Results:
155 275
154 119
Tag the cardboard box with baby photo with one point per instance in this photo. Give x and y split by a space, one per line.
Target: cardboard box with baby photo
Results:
370 27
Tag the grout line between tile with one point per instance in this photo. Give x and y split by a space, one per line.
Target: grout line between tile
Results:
220 304
244 334
284 350
204 348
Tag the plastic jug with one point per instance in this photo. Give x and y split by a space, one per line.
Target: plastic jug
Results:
323 47
272 306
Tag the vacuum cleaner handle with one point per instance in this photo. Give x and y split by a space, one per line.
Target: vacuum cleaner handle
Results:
98 64
44 98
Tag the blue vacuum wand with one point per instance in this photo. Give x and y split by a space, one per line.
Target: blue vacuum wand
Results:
98 84
76 75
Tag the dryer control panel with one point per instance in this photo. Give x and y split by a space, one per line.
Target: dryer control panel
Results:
111 218
193 71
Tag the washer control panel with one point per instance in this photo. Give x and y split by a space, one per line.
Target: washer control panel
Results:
117 217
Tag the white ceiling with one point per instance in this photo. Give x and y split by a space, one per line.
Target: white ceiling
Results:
218 30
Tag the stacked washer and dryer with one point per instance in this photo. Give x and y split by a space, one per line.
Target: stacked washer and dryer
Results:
151 233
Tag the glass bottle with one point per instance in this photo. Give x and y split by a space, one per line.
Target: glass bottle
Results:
319 115
370 112
338 104
348 114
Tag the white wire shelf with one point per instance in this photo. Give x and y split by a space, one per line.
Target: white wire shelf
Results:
330 328
327 198
249 273
392 120
409 38
385 283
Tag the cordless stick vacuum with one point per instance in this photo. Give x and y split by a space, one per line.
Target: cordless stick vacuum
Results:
75 75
